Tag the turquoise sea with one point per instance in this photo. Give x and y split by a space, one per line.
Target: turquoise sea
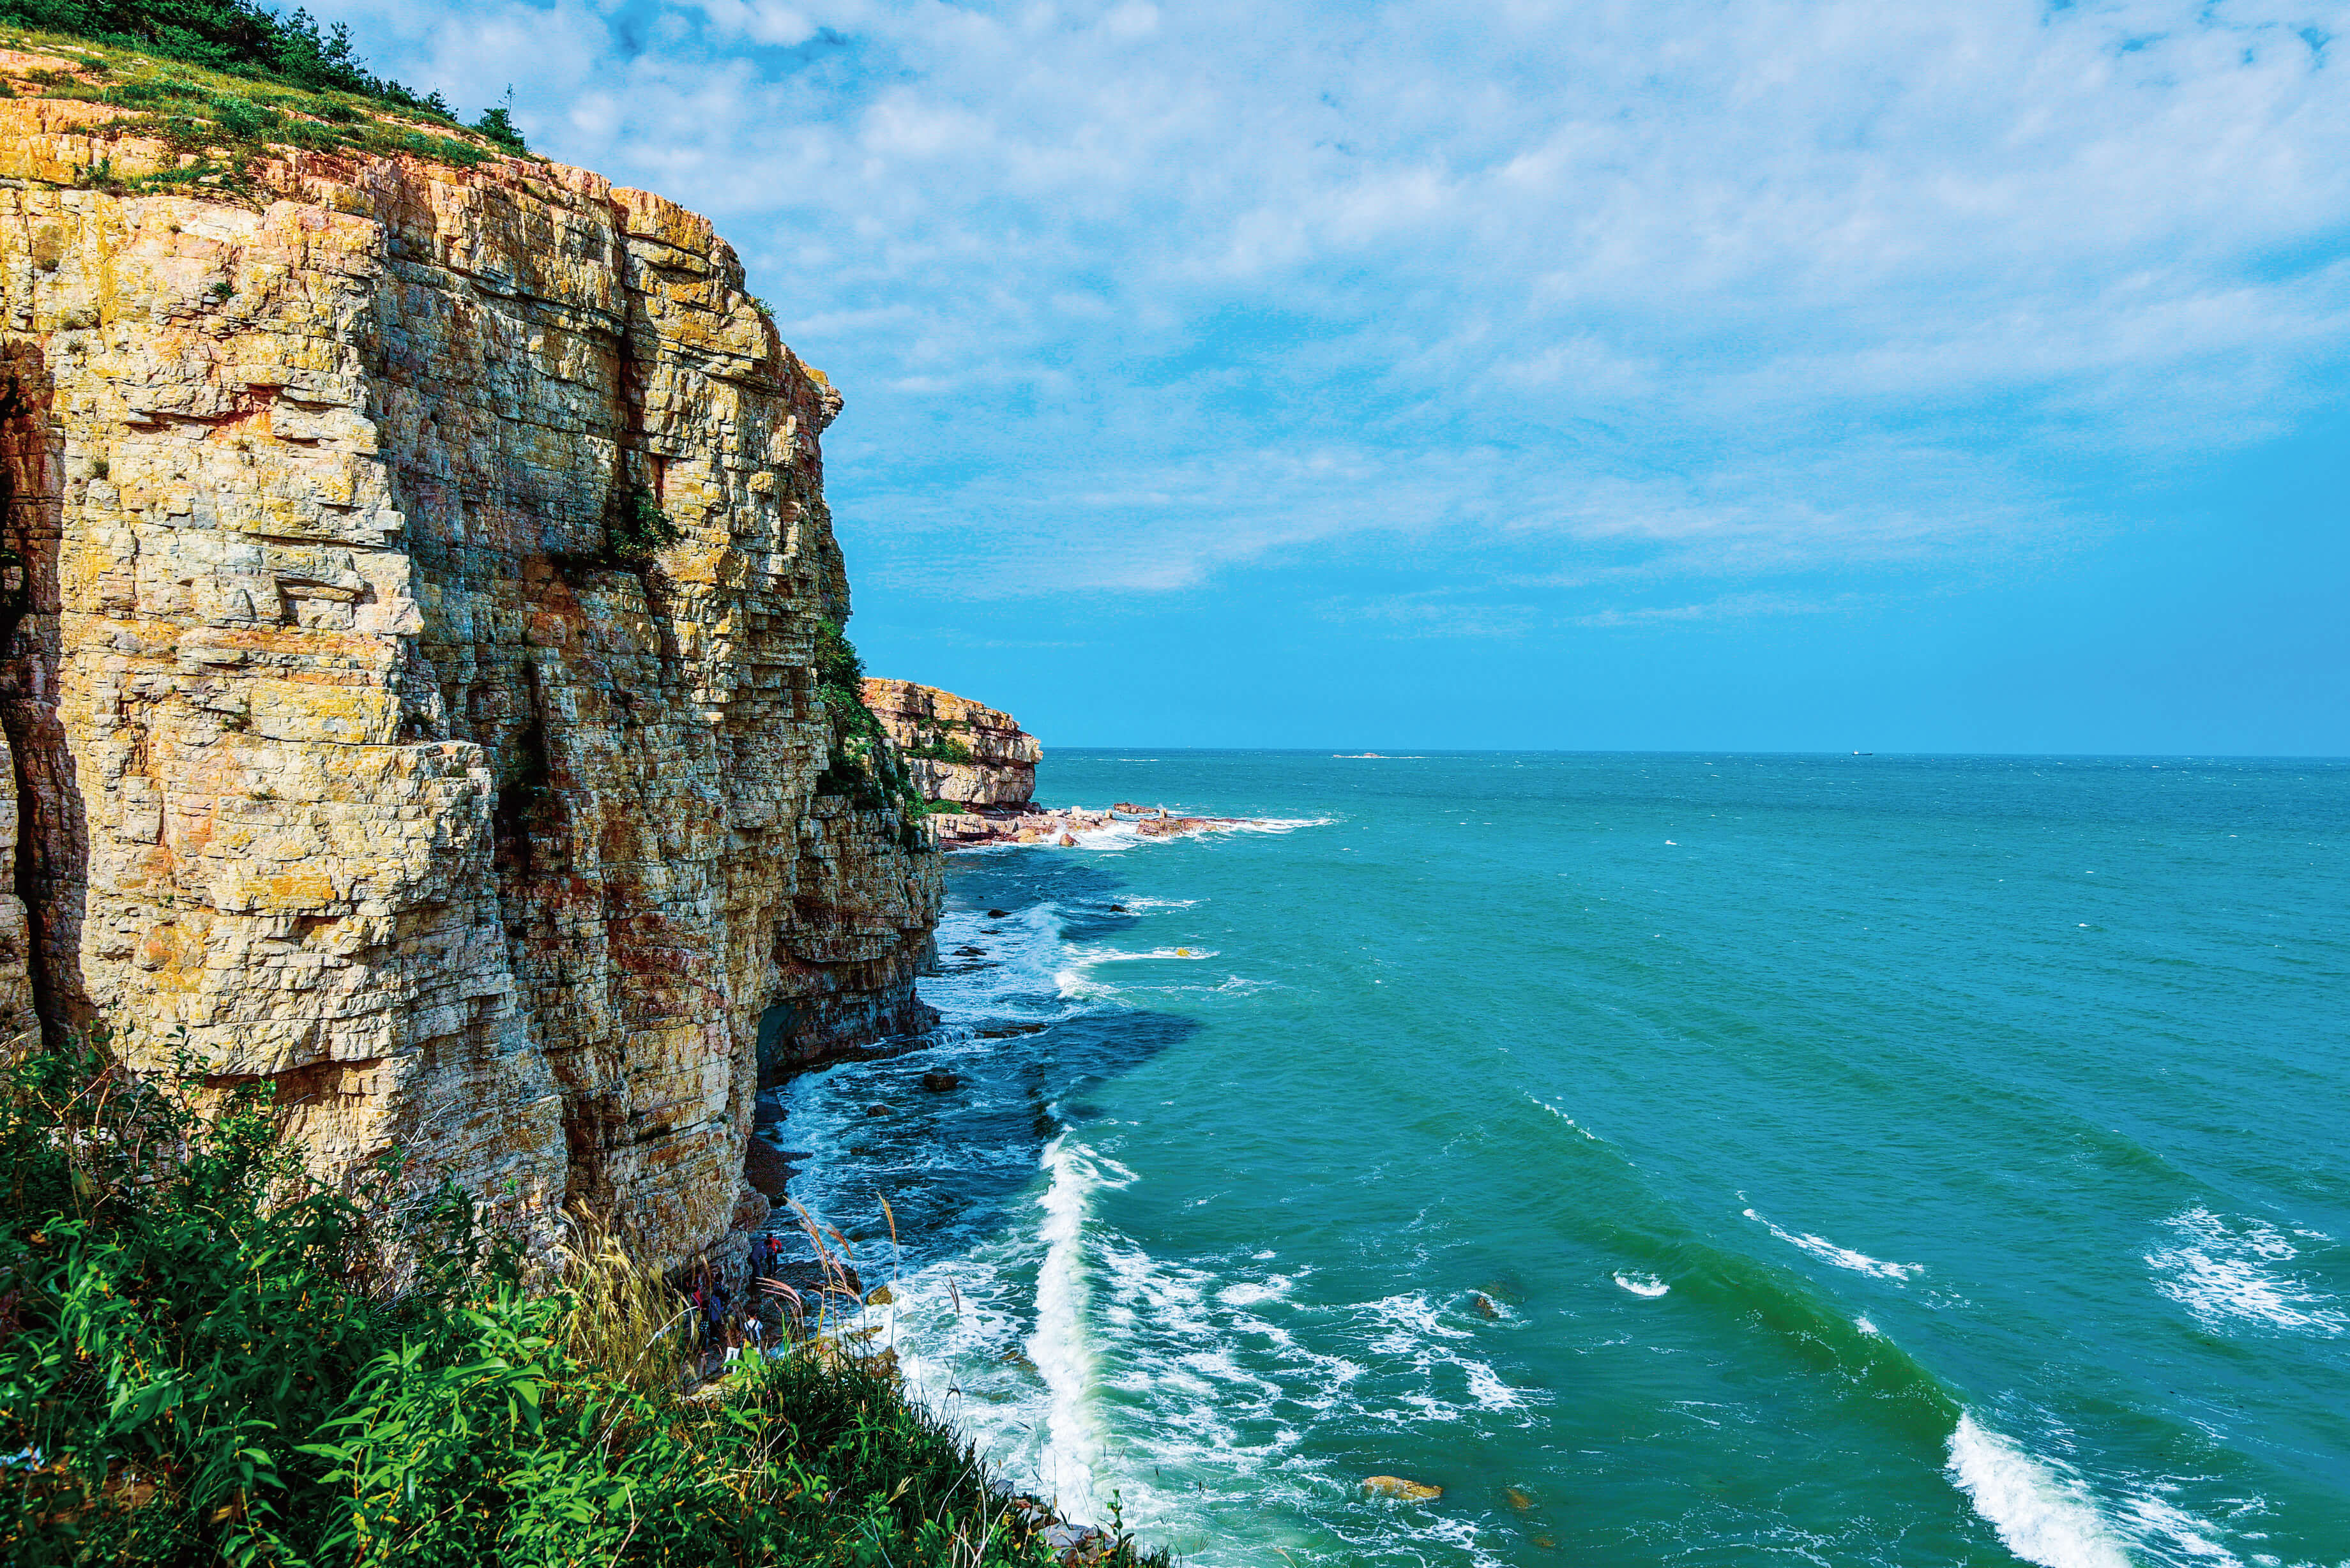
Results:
1688 1159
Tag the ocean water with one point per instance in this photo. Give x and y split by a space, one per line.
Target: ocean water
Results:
1693 1159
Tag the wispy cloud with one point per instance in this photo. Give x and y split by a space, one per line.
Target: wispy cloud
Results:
1729 606
1137 295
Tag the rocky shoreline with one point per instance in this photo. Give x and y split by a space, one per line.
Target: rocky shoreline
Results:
980 826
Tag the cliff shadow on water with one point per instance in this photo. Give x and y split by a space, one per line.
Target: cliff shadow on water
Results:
950 1127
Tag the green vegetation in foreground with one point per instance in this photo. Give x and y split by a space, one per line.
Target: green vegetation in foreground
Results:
204 1357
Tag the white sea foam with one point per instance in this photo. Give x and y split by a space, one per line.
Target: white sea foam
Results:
1409 1323
2157 1516
1189 1385
1827 1251
1643 1284
1118 836
1561 1116
1115 955
2228 1270
1021 956
2040 1510
1079 982
1486 1387
1865 1327
1061 1346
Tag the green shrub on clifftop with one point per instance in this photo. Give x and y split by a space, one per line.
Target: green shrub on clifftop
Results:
225 34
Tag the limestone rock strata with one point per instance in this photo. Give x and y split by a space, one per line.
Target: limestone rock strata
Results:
956 750
347 750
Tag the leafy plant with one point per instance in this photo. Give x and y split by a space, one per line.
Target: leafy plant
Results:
940 748
863 764
207 1356
497 124
643 530
242 119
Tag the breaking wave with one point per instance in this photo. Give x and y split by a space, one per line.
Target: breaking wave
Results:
1827 1251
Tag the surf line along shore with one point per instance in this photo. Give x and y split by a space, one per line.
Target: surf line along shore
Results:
978 827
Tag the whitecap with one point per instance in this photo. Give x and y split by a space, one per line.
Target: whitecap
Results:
2042 1511
2193 1536
1061 1346
1486 1387
1255 1292
1409 1320
1827 1251
1643 1284
2224 1270
1561 1116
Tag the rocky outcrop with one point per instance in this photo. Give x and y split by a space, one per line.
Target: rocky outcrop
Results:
1059 825
956 750
350 750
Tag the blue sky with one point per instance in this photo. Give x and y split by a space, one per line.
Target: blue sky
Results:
1959 375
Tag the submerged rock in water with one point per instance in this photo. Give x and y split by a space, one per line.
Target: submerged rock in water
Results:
939 1083
1405 1490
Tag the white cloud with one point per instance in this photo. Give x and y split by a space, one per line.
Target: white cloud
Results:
1720 291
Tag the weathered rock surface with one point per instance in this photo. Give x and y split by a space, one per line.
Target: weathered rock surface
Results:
345 748
1059 825
1405 1490
955 748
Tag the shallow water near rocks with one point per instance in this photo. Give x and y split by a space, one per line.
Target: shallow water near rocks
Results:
1676 1159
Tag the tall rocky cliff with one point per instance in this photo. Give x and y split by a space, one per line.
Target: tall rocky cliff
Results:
348 750
955 748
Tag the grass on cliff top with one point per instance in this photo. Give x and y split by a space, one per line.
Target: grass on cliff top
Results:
239 37
217 117
204 1356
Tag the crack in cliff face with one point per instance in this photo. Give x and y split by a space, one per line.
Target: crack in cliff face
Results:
30 995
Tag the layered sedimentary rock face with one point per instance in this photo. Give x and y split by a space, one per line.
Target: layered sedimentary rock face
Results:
349 750
955 748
